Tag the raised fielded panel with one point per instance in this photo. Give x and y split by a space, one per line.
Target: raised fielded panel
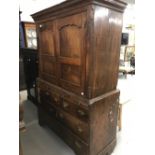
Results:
71 73
47 38
69 47
48 68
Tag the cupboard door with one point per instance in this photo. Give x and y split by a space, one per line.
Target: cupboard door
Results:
46 38
71 52
47 52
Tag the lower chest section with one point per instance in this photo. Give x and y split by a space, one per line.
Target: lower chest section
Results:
87 129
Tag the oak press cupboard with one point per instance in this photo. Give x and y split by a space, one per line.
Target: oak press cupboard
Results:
79 47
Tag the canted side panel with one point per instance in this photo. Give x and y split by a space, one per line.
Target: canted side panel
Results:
103 123
107 40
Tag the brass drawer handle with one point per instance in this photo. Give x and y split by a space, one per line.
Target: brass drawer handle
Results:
82 113
55 99
65 104
79 129
78 145
61 115
111 112
47 93
110 116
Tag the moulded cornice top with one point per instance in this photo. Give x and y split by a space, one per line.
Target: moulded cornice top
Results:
120 5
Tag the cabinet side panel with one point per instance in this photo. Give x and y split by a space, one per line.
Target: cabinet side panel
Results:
107 40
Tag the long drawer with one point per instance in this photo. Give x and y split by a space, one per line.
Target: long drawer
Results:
78 110
78 145
77 126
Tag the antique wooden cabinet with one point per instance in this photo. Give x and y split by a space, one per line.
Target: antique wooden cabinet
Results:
79 43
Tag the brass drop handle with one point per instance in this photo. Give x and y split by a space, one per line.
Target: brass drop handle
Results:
78 144
61 115
110 115
65 104
80 112
111 112
55 99
79 129
47 93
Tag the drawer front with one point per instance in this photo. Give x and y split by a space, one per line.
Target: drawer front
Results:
80 147
48 96
78 127
75 109
51 110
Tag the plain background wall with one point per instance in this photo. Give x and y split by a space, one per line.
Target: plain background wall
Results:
29 7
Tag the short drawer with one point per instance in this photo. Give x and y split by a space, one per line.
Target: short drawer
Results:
51 110
75 109
78 127
49 97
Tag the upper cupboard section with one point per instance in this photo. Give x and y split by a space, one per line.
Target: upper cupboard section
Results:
64 40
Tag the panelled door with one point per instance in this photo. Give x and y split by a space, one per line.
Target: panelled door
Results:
70 36
47 51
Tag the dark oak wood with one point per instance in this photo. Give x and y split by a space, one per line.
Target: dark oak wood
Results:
79 44
94 121
84 47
